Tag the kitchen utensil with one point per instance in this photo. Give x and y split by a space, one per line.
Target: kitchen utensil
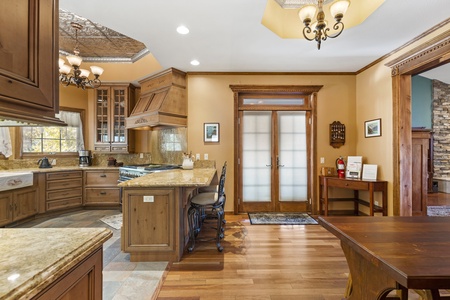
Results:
44 163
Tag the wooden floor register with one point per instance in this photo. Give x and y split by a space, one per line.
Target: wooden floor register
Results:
356 185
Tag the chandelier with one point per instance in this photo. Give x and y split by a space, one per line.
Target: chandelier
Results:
78 76
321 32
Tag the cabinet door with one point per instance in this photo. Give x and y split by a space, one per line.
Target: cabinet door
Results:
102 132
25 203
28 60
119 112
5 208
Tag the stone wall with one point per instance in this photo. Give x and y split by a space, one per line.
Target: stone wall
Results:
441 129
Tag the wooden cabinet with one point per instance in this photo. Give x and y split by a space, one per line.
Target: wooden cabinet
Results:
100 188
113 104
29 89
422 170
64 190
84 281
18 204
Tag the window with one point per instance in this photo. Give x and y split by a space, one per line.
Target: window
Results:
55 139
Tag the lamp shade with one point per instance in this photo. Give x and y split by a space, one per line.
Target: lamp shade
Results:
84 73
96 70
74 60
339 7
64 69
307 12
60 62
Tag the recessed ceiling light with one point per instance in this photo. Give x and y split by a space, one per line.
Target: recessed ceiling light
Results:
195 62
182 29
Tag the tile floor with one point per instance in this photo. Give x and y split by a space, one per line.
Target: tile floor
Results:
122 279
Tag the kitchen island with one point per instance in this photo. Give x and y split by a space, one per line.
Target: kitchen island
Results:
51 263
155 226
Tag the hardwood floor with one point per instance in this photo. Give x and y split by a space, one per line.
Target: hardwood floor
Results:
264 262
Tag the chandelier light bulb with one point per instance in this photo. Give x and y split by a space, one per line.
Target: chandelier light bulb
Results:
307 13
96 70
339 8
84 73
64 69
74 60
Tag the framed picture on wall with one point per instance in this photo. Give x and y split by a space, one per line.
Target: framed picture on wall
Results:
372 128
211 133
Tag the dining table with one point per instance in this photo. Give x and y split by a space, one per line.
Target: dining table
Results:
386 253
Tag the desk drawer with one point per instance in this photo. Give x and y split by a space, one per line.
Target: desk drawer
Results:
348 184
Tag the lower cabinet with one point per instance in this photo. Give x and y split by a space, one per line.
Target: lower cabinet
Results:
64 190
84 281
18 204
100 188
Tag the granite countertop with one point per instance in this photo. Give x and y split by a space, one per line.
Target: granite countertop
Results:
173 178
33 258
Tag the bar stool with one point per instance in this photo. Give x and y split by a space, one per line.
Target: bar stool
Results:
215 187
207 206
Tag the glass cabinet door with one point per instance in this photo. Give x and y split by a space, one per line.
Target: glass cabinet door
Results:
119 113
102 108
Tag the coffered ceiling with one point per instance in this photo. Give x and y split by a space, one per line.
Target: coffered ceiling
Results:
228 35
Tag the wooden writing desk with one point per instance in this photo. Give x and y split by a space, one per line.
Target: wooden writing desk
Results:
387 253
356 185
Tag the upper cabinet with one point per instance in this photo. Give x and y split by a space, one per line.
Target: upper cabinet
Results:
29 88
113 103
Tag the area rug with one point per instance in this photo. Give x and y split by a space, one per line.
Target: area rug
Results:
438 211
115 221
280 219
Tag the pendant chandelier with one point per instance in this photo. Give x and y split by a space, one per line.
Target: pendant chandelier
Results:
78 76
319 31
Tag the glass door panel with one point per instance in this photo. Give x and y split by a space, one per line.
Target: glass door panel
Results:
256 156
292 153
119 116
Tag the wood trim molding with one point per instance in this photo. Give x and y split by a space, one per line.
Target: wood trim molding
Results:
274 89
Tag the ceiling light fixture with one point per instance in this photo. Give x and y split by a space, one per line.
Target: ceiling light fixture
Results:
321 31
195 62
78 77
182 29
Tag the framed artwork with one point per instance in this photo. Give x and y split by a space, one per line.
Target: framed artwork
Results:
372 128
211 133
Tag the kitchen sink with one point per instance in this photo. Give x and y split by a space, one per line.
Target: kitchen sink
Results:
15 180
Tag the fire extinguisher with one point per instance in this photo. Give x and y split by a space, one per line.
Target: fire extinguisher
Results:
340 167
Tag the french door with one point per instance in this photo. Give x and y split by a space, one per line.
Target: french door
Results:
274 155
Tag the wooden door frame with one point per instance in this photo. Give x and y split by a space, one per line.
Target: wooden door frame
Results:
431 54
303 90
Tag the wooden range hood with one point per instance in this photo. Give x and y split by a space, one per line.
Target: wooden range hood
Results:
162 102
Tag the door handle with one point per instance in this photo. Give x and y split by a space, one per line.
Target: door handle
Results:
269 165
278 163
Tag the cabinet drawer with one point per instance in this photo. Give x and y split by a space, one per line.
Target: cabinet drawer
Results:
64 203
102 178
64 175
62 194
64 184
102 196
348 184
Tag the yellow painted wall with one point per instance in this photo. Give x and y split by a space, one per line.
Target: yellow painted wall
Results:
210 99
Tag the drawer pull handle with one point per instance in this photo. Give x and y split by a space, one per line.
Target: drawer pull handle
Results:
103 175
102 193
346 184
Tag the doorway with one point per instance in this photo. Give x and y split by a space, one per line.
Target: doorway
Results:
427 56
275 149
274 160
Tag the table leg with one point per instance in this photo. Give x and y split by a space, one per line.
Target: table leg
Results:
369 282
